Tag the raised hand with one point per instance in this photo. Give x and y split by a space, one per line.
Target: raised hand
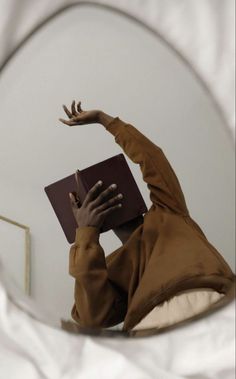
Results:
79 117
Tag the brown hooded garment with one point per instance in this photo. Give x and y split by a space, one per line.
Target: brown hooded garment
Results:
167 254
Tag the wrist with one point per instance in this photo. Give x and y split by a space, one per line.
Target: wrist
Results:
104 118
81 226
99 116
87 233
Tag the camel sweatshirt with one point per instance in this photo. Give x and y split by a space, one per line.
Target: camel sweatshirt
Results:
166 254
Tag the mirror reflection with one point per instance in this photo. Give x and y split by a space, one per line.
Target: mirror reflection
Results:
124 91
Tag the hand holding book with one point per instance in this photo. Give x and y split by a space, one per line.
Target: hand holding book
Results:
94 209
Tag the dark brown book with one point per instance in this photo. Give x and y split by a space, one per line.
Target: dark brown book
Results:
111 170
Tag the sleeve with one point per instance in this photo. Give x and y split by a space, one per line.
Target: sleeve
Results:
164 186
98 302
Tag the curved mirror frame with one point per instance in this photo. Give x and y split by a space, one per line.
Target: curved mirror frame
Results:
73 328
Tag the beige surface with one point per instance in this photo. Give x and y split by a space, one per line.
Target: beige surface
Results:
180 307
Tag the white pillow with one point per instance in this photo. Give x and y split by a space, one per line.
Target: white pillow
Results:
180 307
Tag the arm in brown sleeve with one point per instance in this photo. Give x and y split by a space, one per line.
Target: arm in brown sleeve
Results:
165 189
98 303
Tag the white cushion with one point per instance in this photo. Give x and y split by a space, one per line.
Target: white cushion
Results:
180 307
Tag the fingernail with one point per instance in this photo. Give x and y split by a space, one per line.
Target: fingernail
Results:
113 185
99 182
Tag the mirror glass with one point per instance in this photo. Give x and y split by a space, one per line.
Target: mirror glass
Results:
111 62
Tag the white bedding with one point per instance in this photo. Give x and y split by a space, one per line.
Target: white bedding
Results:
30 349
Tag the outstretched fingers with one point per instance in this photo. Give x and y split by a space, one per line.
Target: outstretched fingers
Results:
73 110
68 122
79 109
73 114
70 115
110 209
92 193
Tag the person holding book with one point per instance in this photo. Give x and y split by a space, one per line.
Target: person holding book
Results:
164 254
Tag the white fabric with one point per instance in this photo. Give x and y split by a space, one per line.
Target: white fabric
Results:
31 349
201 31
180 307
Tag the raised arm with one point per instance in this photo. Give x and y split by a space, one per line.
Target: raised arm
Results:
164 186
165 189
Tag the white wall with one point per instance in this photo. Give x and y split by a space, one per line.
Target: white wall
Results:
109 63
13 252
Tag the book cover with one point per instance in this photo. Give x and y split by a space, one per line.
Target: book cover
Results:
111 170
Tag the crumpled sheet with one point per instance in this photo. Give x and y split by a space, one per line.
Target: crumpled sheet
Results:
32 346
200 31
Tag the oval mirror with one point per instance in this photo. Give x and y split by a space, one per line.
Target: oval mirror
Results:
108 61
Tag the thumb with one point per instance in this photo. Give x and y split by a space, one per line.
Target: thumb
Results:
72 200
75 200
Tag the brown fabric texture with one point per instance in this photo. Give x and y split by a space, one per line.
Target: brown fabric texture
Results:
167 254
